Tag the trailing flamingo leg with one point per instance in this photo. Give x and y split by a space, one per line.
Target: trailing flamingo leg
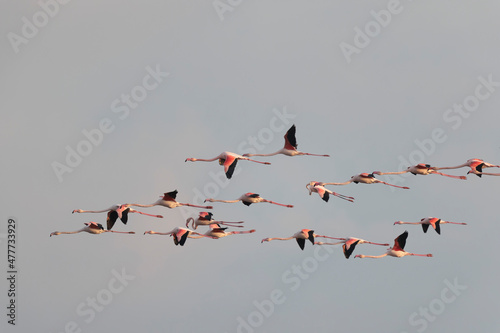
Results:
403 187
159 216
190 205
421 255
341 196
315 154
377 243
451 176
275 203
231 224
248 159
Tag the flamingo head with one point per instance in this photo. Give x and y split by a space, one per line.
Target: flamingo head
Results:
151 232
265 240
190 159
376 173
398 222
77 211
359 256
310 186
319 243
55 233
209 200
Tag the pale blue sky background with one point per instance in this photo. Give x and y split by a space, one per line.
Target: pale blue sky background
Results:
225 79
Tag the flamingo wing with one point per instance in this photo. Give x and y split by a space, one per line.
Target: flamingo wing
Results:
170 196
400 242
94 225
184 236
349 247
111 219
290 140
124 218
311 236
425 227
206 216
229 165
437 226
323 193
301 242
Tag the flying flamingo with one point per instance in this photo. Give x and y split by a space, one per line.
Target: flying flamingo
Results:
92 228
227 159
168 200
365 178
217 232
419 169
115 212
433 221
290 148
476 166
205 218
248 199
348 244
301 237
324 193
397 250
180 235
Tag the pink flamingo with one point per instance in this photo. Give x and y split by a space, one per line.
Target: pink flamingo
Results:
180 235
419 169
92 228
115 212
348 244
397 250
217 232
433 221
476 166
248 199
227 159
205 218
324 193
168 200
301 237
290 148
365 178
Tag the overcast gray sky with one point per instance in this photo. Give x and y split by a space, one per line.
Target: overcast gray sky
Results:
102 103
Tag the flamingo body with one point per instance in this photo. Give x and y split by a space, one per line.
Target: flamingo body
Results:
228 160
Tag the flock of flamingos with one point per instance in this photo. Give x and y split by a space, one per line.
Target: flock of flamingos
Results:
229 160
